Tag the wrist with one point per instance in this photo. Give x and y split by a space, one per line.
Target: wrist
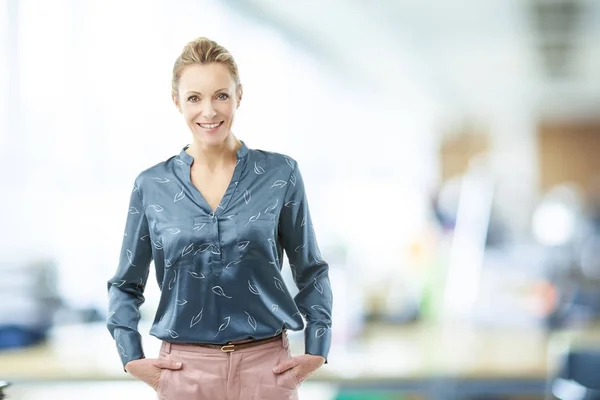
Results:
323 359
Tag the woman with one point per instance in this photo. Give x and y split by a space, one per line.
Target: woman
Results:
216 219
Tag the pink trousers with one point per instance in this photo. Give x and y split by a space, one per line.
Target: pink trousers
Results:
243 374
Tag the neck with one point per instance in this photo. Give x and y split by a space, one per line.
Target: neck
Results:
215 156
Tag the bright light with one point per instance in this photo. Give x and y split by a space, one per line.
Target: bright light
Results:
553 224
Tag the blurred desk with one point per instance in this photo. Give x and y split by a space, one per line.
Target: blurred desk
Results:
416 358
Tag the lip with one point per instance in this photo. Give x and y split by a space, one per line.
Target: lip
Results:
210 130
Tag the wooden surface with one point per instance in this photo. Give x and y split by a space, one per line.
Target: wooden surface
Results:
383 354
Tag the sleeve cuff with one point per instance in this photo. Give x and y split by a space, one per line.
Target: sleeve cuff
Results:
317 340
129 346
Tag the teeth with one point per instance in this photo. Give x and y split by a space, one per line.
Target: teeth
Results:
210 126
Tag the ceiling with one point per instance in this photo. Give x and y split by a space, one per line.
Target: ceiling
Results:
478 56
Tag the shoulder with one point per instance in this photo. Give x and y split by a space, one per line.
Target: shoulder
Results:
271 159
161 171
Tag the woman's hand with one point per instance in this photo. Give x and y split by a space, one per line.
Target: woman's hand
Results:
148 369
304 365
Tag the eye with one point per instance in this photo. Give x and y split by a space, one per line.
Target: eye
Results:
222 96
193 99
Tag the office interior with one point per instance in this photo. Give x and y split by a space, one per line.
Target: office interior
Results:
449 151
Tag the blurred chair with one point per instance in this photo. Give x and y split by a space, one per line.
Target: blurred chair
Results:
578 376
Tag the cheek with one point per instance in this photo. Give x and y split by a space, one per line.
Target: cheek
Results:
189 112
227 110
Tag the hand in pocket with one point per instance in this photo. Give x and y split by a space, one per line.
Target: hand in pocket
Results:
149 369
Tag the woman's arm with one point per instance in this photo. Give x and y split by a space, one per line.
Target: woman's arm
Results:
126 287
310 272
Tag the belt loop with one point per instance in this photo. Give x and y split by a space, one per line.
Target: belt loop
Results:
167 347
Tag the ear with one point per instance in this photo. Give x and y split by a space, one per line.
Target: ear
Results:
240 93
175 99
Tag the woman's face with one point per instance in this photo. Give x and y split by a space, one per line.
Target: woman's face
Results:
208 100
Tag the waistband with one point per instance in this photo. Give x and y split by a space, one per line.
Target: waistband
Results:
280 340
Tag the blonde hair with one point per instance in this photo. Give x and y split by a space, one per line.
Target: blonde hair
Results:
204 51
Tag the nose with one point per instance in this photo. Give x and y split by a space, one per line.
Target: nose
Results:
208 110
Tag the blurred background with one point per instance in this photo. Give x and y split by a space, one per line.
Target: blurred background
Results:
450 154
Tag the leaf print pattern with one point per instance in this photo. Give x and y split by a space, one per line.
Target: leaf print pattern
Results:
133 211
199 227
196 275
318 308
320 332
181 302
291 203
203 247
318 286
161 180
218 290
258 169
279 184
273 207
243 245
224 325
251 320
173 334
293 179
130 257
157 245
247 196
279 284
253 289
253 218
289 162
274 307
232 263
179 196
196 318
172 281
156 207
122 351
174 231
187 250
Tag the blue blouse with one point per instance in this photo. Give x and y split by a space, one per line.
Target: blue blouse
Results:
219 271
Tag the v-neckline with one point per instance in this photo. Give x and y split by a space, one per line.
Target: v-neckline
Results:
231 187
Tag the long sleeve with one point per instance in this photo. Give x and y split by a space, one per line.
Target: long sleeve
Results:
126 287
310 272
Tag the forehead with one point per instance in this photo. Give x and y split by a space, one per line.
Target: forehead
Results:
205 77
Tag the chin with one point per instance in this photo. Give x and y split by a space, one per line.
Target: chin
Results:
211 140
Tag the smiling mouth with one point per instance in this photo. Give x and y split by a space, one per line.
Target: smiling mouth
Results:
210 126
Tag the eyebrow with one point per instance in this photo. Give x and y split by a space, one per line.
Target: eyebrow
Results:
216 91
